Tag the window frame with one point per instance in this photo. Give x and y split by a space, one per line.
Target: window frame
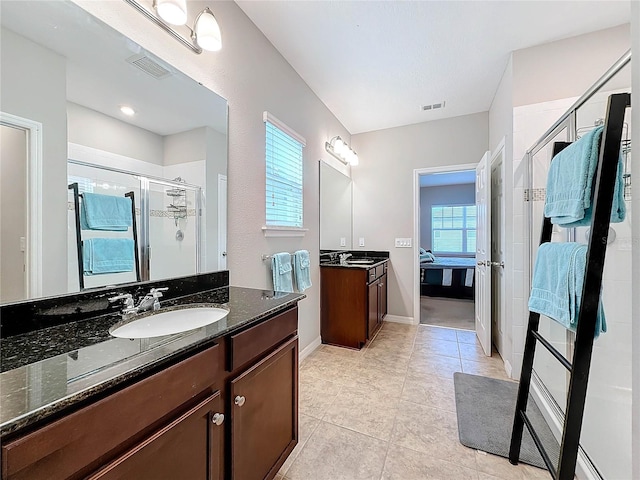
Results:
464 230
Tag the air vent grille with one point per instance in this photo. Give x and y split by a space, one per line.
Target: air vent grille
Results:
149 66
433 106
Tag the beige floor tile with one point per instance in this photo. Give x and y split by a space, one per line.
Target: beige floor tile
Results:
398 327
279 476
406 464
343 352
364 409
485 476
499 467
429 390
316 395
535 473
392 342
384 378
434 365
487 368
306 426
426 332
471 351
437 347
467 336
326 366
336 453
432 431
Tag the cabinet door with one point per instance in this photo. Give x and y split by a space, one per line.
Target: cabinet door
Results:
264 416
373 308
188 448
382 296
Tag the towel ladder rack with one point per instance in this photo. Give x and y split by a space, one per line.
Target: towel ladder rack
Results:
76 205
586 325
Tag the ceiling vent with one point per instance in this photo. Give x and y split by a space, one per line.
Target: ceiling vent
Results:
149 66
433 106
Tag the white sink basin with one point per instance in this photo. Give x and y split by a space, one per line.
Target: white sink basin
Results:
169 322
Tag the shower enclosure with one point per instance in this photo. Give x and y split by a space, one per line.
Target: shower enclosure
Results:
168 221
606 431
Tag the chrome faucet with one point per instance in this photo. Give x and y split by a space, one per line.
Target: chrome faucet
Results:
343 258
148 302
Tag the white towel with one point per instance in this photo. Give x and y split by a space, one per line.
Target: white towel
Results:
468 279
446 277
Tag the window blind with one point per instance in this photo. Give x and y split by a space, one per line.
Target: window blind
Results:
453 228
284 176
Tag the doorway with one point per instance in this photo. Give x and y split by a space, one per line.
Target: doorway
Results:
445 238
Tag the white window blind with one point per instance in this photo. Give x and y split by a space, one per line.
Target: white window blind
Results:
284 174
453 228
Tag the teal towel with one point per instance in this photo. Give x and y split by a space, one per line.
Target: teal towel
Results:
569 192
558 277
282 272
107 255
105 212
426 256
302 264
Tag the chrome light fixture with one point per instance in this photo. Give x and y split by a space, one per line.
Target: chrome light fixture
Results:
339 149
205 34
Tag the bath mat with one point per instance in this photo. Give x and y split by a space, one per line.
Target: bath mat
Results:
485 408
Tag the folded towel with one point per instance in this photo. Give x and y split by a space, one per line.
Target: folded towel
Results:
558 277
569 192
427 257
107 255
282 272
105 212
447 274
468 279
302 269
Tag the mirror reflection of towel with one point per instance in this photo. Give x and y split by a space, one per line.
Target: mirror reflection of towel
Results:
105 212
107 255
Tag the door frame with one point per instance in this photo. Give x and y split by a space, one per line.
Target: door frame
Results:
416 225
34 200
500 151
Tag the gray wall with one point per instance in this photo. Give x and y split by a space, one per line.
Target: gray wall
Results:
383 202
441 195
37 92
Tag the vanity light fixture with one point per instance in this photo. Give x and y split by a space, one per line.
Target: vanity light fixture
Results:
205 34
339 149
127 110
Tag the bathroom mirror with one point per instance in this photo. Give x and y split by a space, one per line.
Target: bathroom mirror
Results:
65 77
336 192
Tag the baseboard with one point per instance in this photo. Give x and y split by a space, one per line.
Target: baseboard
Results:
508 368
585 469
399 319
308 350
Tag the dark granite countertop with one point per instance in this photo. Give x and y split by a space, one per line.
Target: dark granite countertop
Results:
366 266
47 370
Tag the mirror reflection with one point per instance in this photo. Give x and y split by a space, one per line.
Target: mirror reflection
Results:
82 104
335 209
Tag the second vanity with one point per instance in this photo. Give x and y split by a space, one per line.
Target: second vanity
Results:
353 297
216 402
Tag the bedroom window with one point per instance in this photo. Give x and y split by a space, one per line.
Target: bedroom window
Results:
284 168
453 229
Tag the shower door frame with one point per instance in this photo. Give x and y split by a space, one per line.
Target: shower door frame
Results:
143 237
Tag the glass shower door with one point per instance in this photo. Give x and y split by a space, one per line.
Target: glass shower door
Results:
173 229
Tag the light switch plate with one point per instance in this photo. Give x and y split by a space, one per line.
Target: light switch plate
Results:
361 242
403 242
343 242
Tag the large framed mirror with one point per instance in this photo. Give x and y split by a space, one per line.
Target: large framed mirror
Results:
66 80
336 196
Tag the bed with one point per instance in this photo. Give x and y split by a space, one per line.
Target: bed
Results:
452 277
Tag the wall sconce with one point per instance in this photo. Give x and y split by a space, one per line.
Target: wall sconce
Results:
205 34
339 149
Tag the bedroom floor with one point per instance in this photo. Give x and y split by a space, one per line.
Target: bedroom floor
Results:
447 312
387 412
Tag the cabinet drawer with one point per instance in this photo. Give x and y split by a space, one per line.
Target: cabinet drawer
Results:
372 274
254 341
380 270
80 441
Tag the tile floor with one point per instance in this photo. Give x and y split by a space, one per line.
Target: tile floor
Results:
388 411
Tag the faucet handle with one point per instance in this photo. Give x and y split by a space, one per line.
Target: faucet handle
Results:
127 297
157 292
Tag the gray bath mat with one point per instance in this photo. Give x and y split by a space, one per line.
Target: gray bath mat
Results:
485 408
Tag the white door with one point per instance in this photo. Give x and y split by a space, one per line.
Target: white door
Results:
222 222
497 250
483 253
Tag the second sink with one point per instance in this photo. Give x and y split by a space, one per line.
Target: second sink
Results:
169 322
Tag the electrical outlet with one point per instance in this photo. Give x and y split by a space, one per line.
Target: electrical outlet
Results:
403 243
343 242
361 242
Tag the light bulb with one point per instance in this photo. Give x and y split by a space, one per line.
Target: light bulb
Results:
207 31
127 110
354 159
172 11
338 146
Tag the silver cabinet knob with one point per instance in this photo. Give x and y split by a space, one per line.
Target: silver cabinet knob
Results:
217 418
239 400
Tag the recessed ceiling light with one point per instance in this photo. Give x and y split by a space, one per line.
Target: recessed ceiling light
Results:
127 110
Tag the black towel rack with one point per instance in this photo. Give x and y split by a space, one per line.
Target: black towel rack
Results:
76 205
579 369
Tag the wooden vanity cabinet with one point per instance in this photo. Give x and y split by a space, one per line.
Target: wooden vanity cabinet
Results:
353 304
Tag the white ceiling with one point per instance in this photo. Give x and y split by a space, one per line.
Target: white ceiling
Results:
449 178
375 63
99 78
